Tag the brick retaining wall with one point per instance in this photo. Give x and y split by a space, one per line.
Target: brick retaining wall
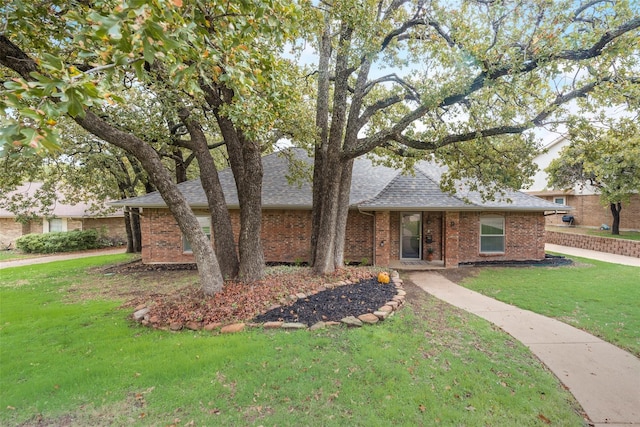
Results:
595 243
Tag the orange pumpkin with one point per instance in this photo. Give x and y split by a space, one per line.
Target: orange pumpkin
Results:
383 277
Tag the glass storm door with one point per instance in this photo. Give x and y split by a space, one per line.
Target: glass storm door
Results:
411 235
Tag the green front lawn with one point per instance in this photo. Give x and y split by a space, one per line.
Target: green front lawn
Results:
70 358
598 297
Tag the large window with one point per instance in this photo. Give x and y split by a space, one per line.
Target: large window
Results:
56 225
205 223
491 234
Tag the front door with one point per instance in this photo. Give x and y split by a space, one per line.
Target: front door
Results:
411 235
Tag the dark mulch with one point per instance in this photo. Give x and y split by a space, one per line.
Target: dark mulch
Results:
335 304
548 261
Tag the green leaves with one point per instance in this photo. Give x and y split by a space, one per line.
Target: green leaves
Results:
607 159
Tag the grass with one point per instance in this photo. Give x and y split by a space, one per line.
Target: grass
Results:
79 361
598 297
627 235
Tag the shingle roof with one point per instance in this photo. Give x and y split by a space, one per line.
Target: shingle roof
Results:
373 187
58 209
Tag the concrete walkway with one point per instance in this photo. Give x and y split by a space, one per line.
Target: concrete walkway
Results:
59 257
586 253
604 379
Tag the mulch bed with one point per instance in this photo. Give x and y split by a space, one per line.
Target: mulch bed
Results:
271 297
335 304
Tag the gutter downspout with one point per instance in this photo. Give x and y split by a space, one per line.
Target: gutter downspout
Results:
373 243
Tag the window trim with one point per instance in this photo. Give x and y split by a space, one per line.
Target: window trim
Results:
63 225
186 246
564 200
503 235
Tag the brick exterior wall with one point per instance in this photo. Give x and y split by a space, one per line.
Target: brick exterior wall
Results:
10 230
524 237
454 239
595 243
114 227
588 212
286 236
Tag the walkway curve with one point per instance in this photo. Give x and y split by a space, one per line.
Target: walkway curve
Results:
604 379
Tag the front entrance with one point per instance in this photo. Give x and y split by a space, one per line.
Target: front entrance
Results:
411 235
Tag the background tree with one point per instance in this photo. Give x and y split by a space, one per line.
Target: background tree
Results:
605 158
458 82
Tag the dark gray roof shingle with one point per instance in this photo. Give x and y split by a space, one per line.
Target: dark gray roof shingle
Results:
373 187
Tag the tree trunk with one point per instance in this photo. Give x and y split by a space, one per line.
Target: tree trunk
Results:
324 261
129 231
208 268
615 213
246 163
330 172
220 219
343 213
181 166
322 138
137 230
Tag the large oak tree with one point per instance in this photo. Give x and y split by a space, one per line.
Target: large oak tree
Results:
66 58
461 81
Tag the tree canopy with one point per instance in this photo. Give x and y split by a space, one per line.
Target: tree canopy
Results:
460 82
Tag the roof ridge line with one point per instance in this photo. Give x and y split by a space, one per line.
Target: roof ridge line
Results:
391 181
454 195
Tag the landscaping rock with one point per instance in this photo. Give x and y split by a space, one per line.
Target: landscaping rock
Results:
300 295
369 318
139 314
351 321
318 325
175 326
230 329
386 308
211 326
193 326
381 314
272 325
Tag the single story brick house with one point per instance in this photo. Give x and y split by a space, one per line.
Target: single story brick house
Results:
394 218
62 216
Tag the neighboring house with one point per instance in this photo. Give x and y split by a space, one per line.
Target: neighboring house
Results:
393 218
587 211
61 217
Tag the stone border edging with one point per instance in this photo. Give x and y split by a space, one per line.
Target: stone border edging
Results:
141 315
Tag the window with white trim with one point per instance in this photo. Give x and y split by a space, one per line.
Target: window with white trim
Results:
56 225
559 200
491 234
205 224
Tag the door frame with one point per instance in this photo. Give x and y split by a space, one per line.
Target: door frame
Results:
402 258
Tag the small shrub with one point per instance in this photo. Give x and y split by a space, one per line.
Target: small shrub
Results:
59 242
